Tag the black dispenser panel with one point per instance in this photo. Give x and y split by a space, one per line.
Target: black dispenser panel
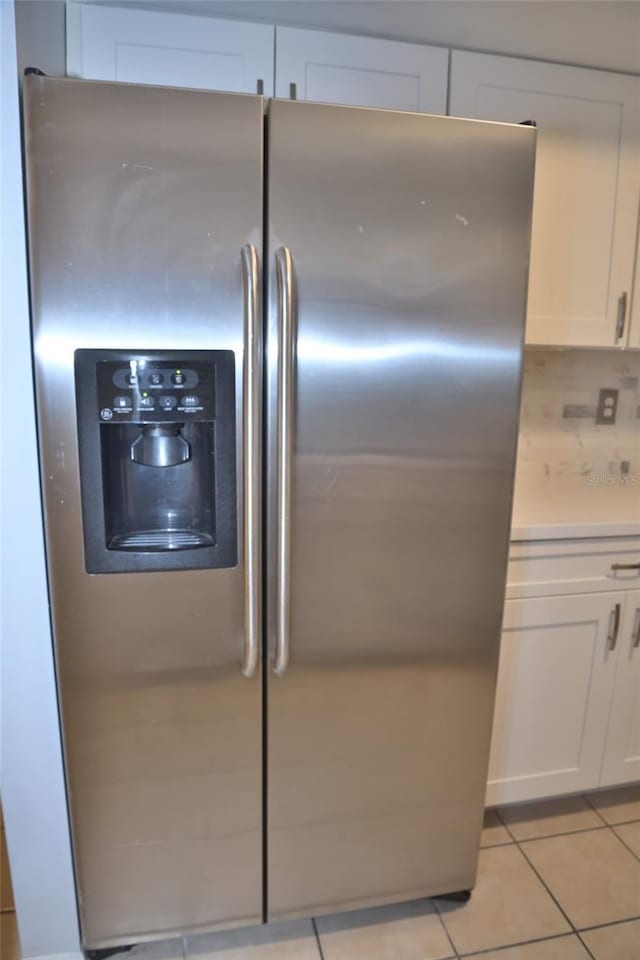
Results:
157 439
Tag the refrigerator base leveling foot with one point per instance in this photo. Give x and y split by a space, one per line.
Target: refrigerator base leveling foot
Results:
459 896
104 952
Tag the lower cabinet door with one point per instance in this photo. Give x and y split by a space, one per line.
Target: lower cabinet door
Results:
622 752
555 681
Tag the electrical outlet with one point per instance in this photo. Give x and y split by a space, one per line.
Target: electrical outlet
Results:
607 406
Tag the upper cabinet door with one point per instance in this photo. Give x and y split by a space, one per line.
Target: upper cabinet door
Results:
361 71
586 192
172 49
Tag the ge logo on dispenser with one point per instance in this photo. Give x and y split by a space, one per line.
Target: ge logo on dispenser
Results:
106 413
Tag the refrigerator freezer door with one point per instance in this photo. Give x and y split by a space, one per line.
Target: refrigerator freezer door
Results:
141 201
409 241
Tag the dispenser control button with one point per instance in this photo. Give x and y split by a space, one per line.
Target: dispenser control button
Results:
178 378
168 403
190 400
145 402
121 402
106 413
156 379
132 378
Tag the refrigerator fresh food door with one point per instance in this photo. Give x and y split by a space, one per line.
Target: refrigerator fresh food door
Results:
399 251
144 204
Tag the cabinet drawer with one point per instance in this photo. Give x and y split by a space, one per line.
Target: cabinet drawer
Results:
547 568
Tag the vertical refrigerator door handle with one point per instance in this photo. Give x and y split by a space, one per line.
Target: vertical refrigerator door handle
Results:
286 338
251 435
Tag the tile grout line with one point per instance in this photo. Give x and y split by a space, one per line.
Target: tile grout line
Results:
434 904
552 836
562 911
587 798
624 842
596 811
315 930
585 945
519 943
564 833
610 923
502 820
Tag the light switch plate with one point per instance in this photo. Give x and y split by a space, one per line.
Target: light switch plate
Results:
607 406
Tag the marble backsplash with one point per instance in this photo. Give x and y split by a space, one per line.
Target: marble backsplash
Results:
553 445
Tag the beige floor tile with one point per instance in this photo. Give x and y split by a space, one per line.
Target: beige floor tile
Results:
548 817
508 905
560 948
277 941
619 805
629 833
493 830
619 942
407 931
9 942
592 875
6 893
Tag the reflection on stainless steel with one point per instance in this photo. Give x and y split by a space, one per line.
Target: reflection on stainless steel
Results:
135 245
410 236
317 350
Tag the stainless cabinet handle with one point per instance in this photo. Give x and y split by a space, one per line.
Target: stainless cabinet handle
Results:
622 315
636 630
625 566
286 339
614 627
252 391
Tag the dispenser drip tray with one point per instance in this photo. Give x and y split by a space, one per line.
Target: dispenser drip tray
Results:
159 540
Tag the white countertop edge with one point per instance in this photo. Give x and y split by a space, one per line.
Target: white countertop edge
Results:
575 531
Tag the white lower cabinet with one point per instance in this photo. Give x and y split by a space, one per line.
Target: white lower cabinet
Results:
567 714
555 683
622 751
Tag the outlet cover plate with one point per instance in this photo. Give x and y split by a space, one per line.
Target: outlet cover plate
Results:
607 407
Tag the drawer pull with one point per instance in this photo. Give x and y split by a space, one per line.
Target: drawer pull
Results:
614 627
625 566
636 631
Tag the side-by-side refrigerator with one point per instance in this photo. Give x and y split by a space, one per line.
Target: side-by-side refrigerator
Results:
278 358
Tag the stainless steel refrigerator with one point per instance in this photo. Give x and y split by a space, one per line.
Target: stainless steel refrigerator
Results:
278 361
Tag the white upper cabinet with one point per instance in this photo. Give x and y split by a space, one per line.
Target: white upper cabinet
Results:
172 49
361 71
586 192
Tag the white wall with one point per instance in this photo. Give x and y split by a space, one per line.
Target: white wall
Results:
40 36
31 777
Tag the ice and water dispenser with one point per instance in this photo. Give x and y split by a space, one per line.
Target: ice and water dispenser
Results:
157 444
